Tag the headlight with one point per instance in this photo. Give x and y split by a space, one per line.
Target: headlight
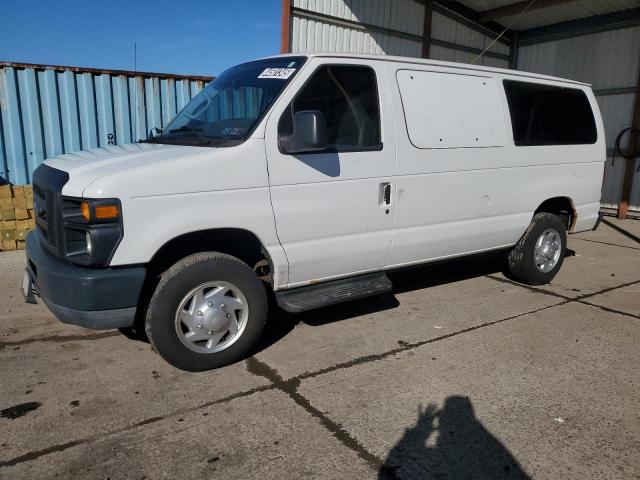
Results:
89 244
92 230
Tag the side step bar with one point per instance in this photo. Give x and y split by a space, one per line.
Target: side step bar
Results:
337 291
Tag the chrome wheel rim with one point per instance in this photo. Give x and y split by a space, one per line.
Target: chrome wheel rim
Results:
547 250
211 317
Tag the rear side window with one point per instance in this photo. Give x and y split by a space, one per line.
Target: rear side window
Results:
549 115
348 98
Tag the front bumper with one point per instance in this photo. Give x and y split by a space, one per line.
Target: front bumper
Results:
98 298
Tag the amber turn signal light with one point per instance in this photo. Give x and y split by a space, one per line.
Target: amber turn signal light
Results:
101 212
85 210
106 212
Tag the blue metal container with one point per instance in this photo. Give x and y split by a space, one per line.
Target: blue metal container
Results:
49 110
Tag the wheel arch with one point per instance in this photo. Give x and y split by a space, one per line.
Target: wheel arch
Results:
563 207
240 243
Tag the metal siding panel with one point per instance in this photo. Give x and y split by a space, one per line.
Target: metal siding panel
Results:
449 30
136 101
495 62
634 203
87 111
182 94
314 34
104 104
402 15
71 135
606 59
51 117
295 28
616 111
31 122
317 36
168 96
11 123
152 94
612 183
309 36
442 53
48 111
121 112
3 157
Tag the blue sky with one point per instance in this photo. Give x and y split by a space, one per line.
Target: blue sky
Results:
186 37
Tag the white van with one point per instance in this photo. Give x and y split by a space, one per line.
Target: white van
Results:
311 176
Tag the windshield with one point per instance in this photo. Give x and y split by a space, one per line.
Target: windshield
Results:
227 110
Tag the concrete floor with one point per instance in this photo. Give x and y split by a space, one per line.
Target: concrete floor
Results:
459 374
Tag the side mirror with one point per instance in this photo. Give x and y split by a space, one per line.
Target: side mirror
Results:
309 133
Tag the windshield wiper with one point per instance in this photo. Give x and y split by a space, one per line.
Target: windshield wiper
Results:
195 131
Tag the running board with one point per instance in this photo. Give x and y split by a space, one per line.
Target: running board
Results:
338 291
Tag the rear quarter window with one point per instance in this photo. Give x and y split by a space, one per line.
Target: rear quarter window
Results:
446 110
549 115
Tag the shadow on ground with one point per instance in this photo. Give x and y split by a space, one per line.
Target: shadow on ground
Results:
281 323
622 231
450 443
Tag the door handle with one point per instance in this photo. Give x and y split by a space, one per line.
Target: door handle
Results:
387 193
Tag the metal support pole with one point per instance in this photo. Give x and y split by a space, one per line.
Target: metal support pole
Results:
426 29
285 21
514 50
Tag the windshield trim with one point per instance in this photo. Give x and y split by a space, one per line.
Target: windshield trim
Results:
175 138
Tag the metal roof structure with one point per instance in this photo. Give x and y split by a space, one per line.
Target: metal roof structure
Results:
542 13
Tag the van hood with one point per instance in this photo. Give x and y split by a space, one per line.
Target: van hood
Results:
86 166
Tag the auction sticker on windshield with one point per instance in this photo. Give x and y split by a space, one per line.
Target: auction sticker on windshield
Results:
281 73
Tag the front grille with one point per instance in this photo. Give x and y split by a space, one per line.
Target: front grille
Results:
47 206
40 210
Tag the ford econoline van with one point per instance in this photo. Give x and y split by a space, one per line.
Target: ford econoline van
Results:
311 176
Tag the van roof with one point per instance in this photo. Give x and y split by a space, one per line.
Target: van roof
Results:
438 63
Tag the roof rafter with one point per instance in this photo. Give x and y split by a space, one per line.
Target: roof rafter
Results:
516 8
473 16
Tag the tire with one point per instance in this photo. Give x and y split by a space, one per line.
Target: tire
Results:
176 307
522 257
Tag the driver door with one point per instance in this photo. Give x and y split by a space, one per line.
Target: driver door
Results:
334 209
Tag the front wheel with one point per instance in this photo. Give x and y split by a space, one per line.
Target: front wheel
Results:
207 311
538 255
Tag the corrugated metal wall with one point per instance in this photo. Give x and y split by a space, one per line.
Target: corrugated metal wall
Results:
317 27
610 61
49 110
448 29
392 27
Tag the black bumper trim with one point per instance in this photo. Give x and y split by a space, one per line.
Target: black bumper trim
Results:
97 319
98 298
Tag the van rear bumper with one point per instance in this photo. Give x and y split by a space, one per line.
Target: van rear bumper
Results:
97 298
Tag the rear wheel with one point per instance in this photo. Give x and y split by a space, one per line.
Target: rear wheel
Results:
207 311
539 254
